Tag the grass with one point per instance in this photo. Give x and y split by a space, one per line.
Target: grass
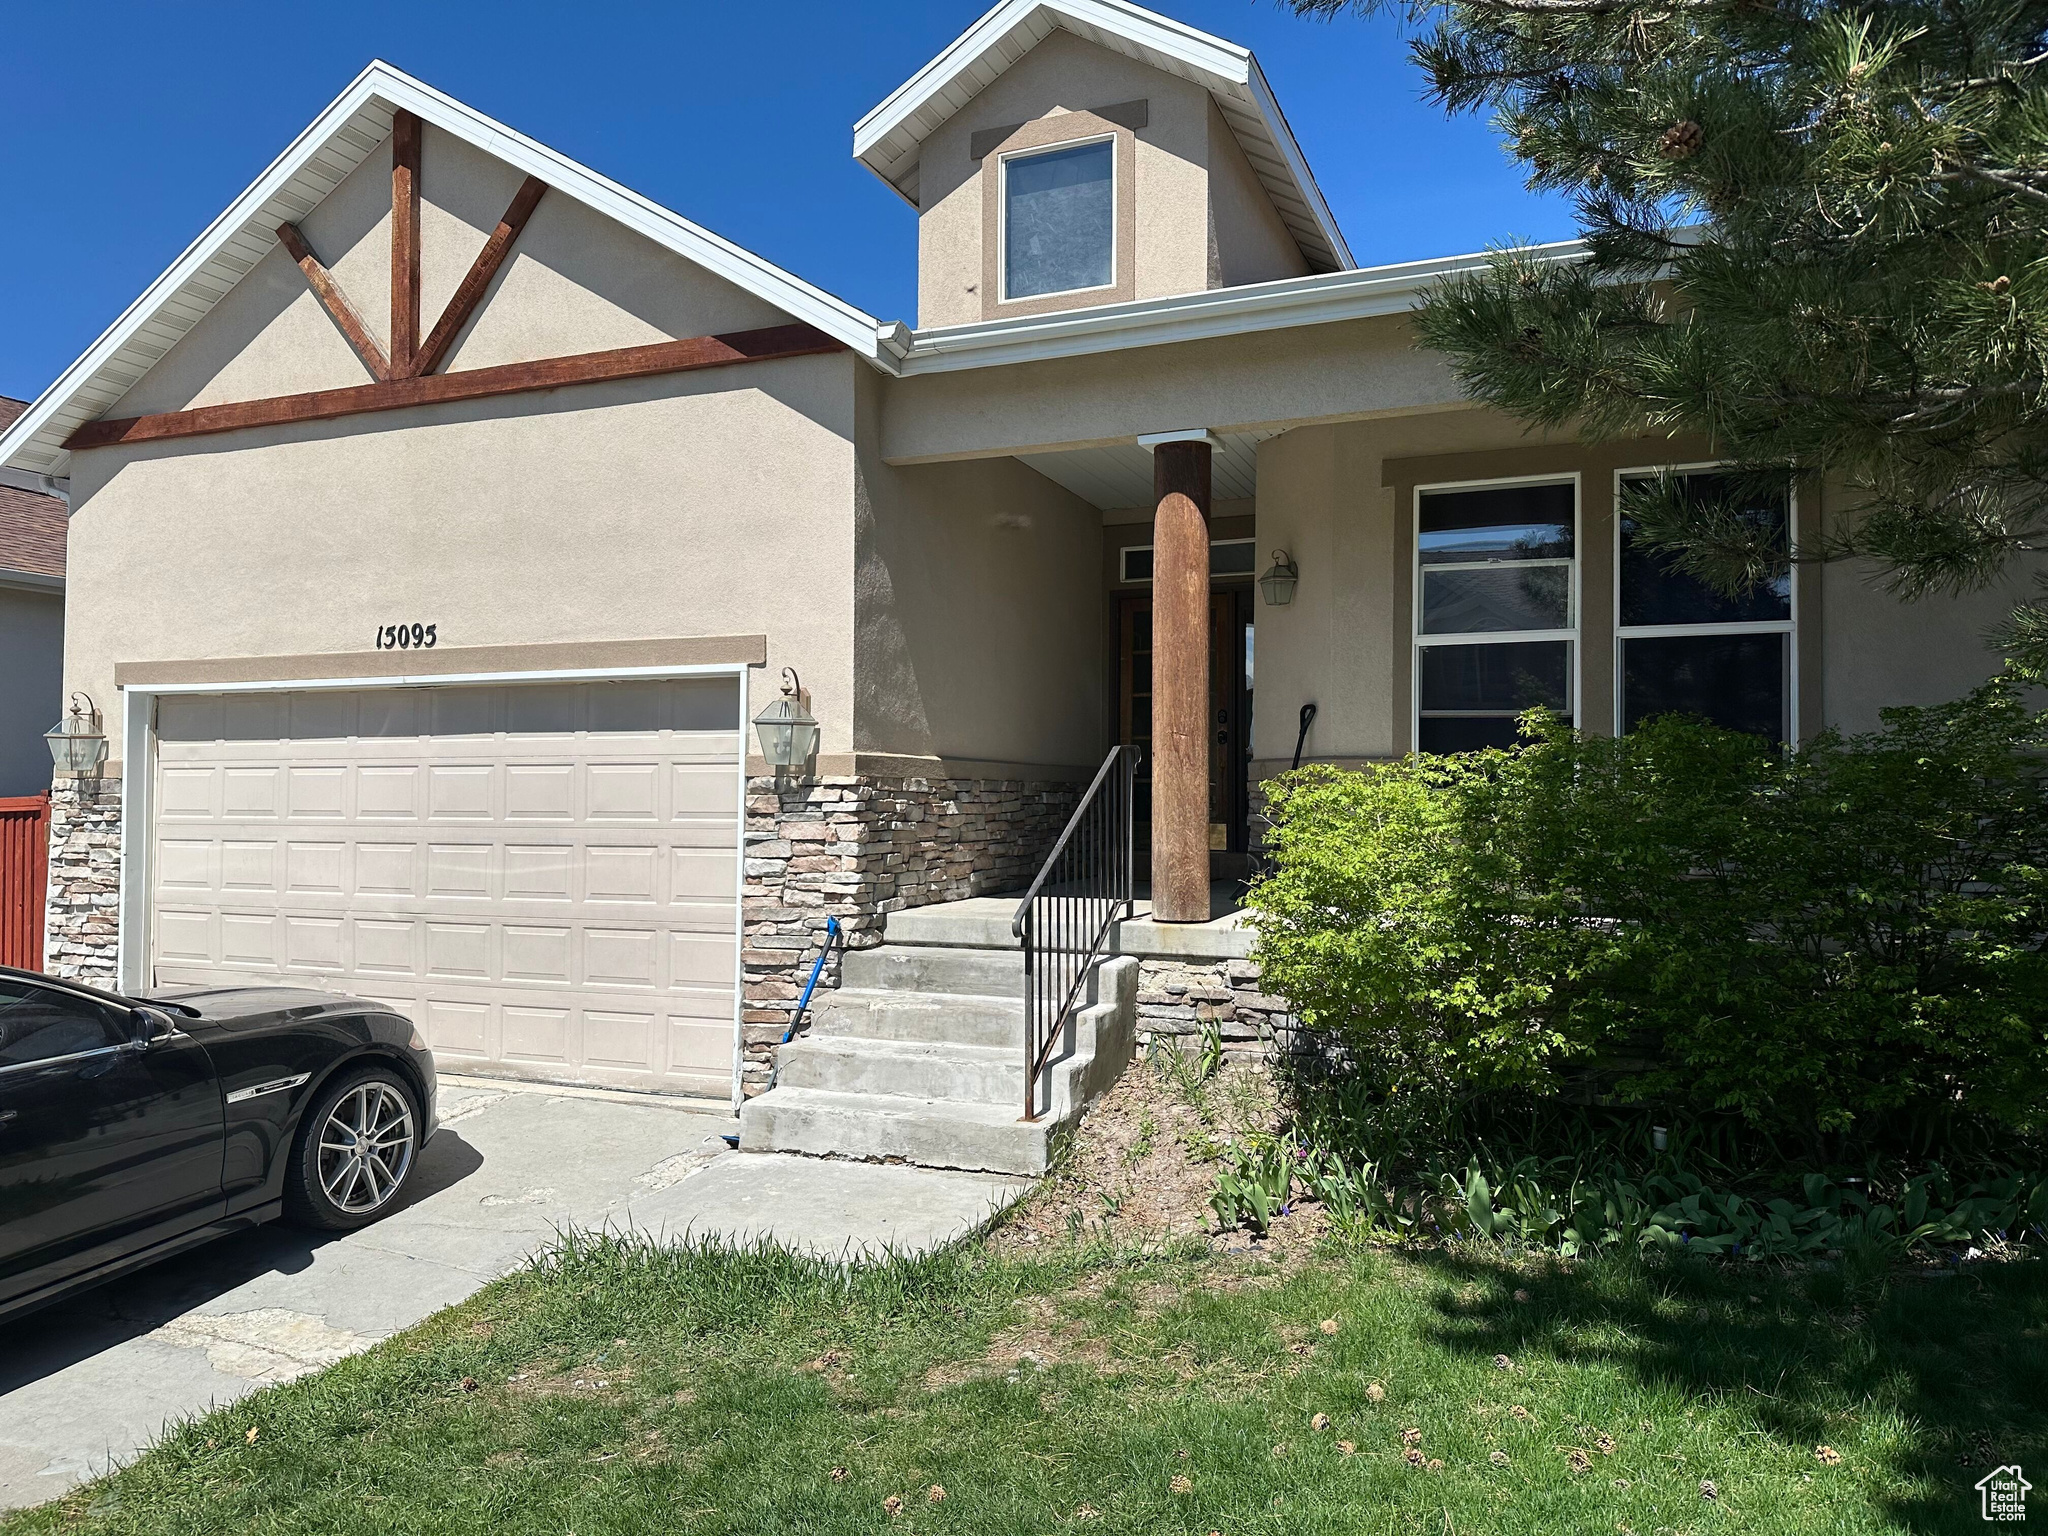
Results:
616 1388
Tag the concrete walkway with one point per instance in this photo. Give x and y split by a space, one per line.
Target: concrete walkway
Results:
92 1382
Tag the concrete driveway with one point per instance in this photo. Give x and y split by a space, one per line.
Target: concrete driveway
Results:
92 1382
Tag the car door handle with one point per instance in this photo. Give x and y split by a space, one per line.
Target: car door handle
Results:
9 1114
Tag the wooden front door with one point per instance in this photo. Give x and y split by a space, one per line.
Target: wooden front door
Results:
1229 721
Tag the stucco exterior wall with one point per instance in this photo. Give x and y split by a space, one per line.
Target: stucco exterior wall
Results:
1878 651
1201 220
1265 380
576 282
1247 241
678 506
977 628
31 686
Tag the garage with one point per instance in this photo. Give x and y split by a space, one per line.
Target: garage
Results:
543 876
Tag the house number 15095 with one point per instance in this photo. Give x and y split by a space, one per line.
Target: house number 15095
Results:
406 637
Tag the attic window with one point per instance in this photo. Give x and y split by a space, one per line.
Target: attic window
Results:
1059 220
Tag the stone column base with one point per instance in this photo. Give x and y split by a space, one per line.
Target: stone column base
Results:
82 922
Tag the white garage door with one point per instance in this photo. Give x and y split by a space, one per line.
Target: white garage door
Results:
543 877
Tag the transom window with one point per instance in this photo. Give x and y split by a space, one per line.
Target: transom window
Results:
1683 648
1059 219
1496 609
1227 557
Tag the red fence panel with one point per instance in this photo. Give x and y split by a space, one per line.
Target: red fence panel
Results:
24 879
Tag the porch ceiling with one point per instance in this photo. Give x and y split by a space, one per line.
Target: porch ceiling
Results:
1121 474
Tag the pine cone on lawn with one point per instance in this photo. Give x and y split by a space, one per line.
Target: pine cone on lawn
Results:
1681 141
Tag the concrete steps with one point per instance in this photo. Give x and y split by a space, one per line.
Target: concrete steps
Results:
918 1057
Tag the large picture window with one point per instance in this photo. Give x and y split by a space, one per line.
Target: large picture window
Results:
1059 220
1683 648
1496 609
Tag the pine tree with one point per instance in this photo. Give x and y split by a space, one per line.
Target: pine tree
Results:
1816 235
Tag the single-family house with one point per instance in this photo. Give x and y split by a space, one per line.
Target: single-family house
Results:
444 516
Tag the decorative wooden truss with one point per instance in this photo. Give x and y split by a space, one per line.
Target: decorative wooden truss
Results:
406 377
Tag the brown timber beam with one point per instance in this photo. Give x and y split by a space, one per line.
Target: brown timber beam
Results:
336 303
765 345
1180 678
405 244
470 291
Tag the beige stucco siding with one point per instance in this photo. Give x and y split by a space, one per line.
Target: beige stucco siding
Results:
1878 651
576 282
1247 241
1265 380
31 692
977 612
696 504
1200 217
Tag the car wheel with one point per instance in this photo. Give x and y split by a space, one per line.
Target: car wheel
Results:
355 1151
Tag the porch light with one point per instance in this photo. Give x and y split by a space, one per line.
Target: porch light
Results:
1279 582
77 744
789 735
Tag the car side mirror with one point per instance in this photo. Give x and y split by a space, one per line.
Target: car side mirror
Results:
151 1025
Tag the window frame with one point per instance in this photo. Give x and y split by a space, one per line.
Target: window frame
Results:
1125 551
1787 626
1571 636
1003 159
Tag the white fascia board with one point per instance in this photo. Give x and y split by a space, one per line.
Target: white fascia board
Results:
1297 165
1220 66
1322 299
382 84
1225 63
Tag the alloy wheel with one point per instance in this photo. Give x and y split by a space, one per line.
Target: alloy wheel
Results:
366 1147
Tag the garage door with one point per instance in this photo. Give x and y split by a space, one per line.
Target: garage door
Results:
543 877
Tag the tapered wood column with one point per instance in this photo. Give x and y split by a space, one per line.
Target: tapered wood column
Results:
1180 679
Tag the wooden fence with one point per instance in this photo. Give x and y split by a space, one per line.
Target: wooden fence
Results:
24 878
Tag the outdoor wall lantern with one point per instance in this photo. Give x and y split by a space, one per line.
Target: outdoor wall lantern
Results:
77 744
1279 582
789 735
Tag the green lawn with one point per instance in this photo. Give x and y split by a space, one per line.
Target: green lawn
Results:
621 1390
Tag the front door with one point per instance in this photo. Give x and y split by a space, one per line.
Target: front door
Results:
1229 723
107 1145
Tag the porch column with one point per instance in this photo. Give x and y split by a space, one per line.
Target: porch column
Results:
1180 674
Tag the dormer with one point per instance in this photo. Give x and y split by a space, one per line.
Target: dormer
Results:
1063 154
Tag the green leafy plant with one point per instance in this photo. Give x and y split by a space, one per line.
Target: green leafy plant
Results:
1847 933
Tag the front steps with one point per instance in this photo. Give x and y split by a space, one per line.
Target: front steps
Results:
918 1057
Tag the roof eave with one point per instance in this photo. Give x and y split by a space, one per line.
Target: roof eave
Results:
1323 299
383 85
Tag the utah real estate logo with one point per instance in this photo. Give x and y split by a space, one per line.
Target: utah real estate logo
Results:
2004 1492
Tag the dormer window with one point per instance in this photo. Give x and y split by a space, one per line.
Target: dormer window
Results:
1059 219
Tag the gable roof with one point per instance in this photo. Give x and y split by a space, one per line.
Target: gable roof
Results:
888 139
31 526
352 127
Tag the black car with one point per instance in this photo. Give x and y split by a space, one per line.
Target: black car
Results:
131 1129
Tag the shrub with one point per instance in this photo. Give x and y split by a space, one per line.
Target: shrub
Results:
1814 939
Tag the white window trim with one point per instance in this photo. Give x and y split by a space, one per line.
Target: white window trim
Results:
138 765
1125 551
1421 642
1623 633
1004 296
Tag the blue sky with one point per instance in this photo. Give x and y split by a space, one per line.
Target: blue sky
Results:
126 126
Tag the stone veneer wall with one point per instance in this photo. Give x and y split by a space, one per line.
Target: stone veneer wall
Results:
82 919
1181 999
859 848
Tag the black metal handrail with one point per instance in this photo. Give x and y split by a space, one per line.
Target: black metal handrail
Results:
1085 886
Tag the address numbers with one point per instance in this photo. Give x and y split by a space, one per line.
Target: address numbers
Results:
405 637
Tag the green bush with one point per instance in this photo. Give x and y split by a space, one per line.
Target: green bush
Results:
1685 916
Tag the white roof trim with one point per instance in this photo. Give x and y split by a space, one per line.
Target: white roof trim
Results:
887 140
343 136
1323 299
